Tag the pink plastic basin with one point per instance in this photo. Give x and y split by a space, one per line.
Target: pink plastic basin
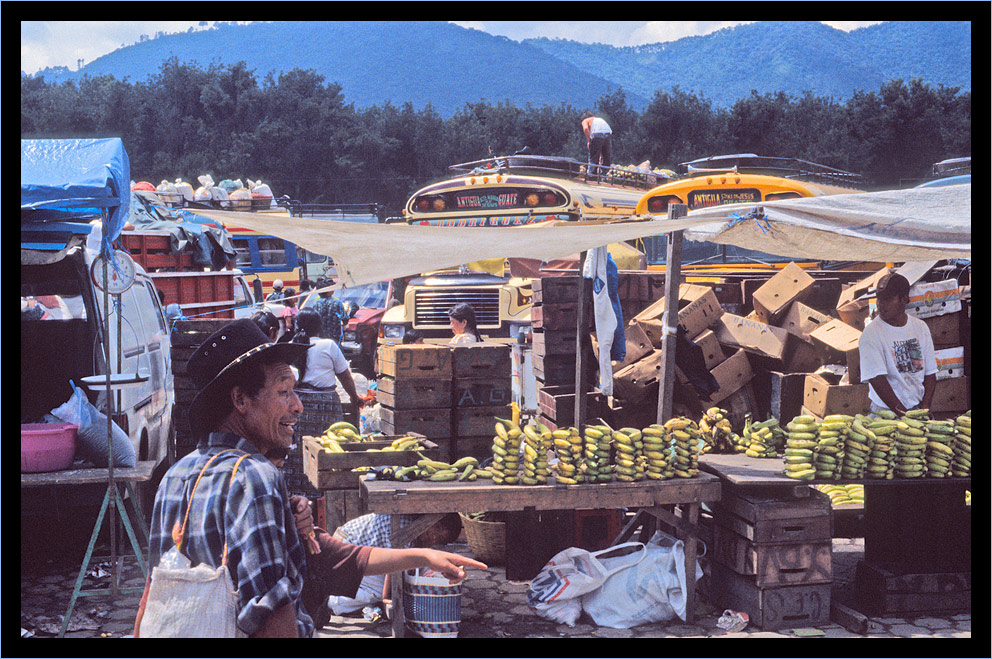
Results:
47 446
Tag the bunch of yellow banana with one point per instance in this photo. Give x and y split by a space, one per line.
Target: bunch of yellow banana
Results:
843 494
940 448
463 469
882 457
657 450
685 437
568 448
342 431
911 443
716 431
828 454
597 466
537 441
858 445
629 461
506 452
329 444
802 436
758 438
961 464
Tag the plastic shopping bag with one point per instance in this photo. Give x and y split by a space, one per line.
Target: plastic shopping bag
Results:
91 439
652 590
556 592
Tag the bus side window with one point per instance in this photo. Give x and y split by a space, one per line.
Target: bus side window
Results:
272 251
243 257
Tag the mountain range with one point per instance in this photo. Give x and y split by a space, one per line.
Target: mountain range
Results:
443 64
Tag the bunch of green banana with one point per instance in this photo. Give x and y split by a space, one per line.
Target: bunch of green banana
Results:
940 448
911 443
597 466
760 441
685 437
799 445
882 457
629 462
828 454
844 494
568 448
657 450
717 433
858 447
463 469
537 442
506 452
961 464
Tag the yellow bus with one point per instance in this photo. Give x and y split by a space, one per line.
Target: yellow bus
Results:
741 178
501 192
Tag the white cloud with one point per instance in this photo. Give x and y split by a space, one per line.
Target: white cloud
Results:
847 26
658 31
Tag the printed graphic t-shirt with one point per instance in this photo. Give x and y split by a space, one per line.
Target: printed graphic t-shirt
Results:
904 355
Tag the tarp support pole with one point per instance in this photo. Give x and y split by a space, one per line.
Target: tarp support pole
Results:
580 384
673 278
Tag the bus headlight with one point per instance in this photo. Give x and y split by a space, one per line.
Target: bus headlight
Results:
393 331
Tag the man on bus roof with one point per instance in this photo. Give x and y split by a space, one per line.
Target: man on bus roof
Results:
599 139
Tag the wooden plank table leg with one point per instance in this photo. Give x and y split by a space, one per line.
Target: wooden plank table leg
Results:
690 564
396 588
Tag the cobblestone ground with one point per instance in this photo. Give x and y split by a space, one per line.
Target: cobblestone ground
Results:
492 607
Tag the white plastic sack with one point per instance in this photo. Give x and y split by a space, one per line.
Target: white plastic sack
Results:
606 319
91 438
556 592
651 590
185 602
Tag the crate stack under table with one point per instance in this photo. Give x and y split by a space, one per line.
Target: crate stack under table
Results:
770 556
554 319
414 391
481 391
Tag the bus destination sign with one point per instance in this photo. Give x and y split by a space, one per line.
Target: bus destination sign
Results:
505 199
710 198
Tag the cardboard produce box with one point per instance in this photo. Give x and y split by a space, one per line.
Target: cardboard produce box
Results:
635 382
822 398
637 343
945 330
951 395
752 335
851 310
702 309
805 357
712 350
801 320
772 299
731 374
415 361
838 338
950 363
934 299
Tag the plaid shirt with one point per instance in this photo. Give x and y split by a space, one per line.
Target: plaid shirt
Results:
371 530
331 317
265 556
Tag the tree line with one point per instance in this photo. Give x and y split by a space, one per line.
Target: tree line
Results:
297 132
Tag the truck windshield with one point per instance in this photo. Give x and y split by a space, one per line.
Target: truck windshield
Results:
366 296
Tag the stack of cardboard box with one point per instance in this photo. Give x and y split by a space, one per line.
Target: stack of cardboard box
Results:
939 305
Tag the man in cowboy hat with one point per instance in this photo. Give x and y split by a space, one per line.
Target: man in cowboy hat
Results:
246 404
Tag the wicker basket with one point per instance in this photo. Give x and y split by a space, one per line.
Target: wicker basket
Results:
486 539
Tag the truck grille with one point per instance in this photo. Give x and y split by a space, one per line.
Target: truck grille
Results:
431 305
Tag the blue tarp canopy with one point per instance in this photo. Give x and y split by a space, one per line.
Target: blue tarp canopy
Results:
66 178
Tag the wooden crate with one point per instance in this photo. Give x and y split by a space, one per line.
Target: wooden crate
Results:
491 360
781 607
764 518
883 593
481 392
549 290
560 316
341 506
558 403
554 342
333 470
408 394
555 368
480 447
773 564
415 361
477 421
430 422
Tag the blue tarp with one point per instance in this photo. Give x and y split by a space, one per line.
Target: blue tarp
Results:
80 177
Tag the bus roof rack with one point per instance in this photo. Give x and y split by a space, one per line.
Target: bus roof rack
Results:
561 167
952 167
791 168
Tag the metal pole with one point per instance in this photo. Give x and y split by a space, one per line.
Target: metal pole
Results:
580 393
110 432
673 278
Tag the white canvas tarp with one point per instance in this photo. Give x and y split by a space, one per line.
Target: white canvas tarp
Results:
895 226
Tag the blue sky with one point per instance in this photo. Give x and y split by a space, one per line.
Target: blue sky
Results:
64 43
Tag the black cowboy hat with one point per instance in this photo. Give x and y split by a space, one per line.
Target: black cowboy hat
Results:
233 344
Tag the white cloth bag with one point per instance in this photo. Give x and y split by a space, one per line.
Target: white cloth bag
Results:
606 319
651 590
191 602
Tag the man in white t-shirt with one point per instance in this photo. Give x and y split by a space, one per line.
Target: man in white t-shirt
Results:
897 355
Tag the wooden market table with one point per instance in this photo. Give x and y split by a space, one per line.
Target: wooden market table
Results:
917 534
123 476
433 500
